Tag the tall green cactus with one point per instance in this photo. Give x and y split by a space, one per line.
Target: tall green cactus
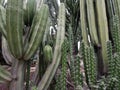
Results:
102 30
89 64
61 80
91 22
45 82
78 80
4 75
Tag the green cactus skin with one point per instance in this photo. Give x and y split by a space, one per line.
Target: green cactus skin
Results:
83 22
91 22
110 8
46 36
1 1
29 11
115 26
48 54
102 30
14 28
4 75
3 20
93 66
37 31
50 72
116 7
116 72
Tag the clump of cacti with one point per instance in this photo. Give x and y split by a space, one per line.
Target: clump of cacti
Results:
77 39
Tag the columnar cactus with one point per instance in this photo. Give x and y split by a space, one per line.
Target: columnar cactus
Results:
89 64
115 32
61 80
91 22
45 82
78 79
71 52
83 21
102 30
111 62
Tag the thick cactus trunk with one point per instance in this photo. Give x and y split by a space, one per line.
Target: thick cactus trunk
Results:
17 70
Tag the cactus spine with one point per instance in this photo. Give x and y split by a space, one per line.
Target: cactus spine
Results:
78 74
110 58
47 52
83 22
89 64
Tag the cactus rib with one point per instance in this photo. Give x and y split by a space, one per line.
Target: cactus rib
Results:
15 27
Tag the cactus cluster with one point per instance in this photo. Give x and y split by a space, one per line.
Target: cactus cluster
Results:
26 25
